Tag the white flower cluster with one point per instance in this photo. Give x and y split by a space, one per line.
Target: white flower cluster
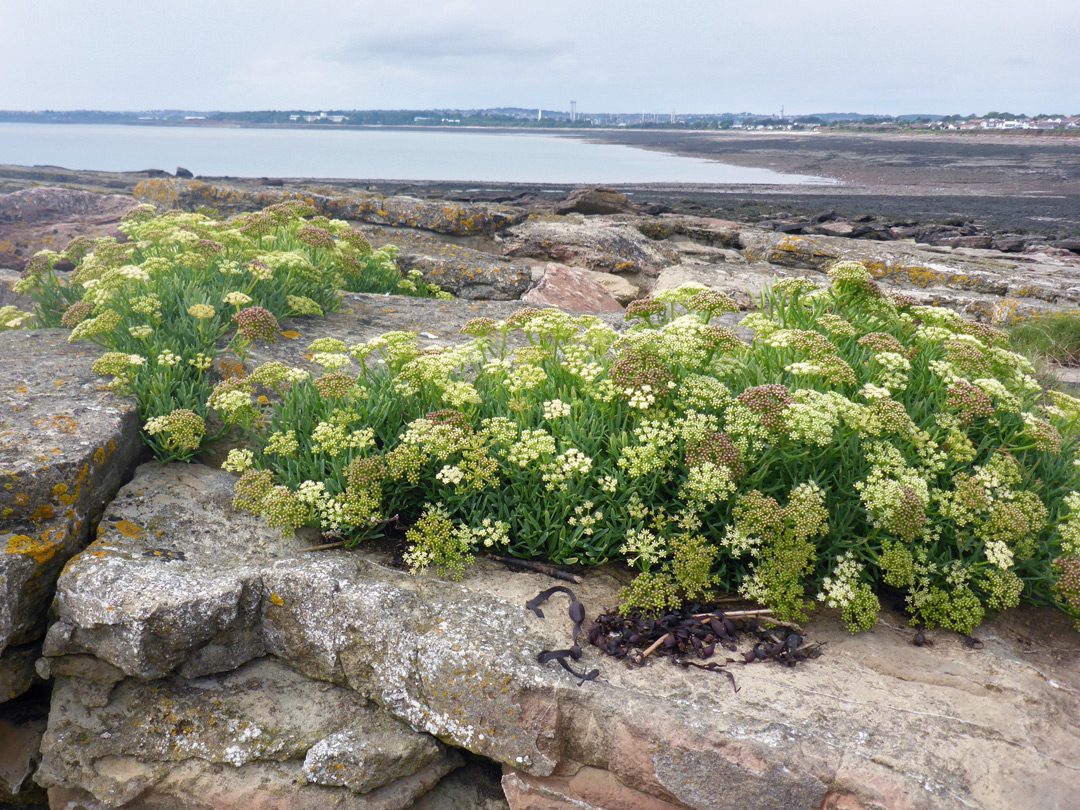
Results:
238 460
643 549
568 463
707 484
530 447
334 438
556 409
839 588
585 518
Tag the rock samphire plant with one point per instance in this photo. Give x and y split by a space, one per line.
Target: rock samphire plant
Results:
858 444
160 302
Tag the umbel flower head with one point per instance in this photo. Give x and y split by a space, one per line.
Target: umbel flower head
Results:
256 323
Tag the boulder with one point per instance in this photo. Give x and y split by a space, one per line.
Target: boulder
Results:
874 722
1072 244
65 447
38 218
703 230
716 277
592 201
977 241
260 736
621 288
601 245
571 290
463 271
184 174
460 219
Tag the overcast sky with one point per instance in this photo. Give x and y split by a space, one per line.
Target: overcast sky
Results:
906 56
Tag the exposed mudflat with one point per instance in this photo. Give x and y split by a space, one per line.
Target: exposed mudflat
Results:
1024 182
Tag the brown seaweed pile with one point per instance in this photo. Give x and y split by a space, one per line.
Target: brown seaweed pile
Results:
690 637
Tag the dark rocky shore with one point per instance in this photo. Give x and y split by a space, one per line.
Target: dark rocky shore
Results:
194 658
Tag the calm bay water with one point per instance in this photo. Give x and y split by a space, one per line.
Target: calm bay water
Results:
392 154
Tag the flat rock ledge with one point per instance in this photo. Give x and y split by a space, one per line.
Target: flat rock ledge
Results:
459 219
65 447
178 590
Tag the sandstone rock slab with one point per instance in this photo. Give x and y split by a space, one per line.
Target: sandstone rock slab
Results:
571 290
65 446
875 722
261 736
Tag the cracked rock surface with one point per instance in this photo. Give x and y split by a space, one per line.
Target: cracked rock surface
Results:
874 722
65 445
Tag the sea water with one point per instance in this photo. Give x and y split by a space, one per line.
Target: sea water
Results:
368 154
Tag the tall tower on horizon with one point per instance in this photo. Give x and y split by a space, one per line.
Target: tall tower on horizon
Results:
573 111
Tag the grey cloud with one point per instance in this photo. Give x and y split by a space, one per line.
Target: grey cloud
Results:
449 44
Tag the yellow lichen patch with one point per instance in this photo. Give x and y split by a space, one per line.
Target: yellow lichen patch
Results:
128 529
55 451
22 499
99 456
21 389
290 334
6 514
112 446
277 600
40 549
43 512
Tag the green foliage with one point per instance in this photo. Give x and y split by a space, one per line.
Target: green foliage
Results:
1054 338
858 442
161 301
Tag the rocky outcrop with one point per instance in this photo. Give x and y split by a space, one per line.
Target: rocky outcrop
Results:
458 269
65 447
571 290
49 218
985 284
602 245
873 722
260 736
593 201
459 219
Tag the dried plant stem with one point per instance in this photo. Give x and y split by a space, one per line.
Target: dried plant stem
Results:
652 647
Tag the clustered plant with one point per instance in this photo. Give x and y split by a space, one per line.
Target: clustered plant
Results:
160 302
858 444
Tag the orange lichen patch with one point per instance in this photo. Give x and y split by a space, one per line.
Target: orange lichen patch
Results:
21 389
111 446
231 368
128 529
263 400
43 512
290 334
22 499
99 456
65 424
58 383
55 451
277 600
41 550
